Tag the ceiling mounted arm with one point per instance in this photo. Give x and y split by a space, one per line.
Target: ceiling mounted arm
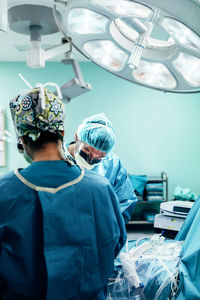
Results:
76 86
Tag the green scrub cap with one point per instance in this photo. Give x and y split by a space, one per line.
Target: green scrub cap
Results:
98 132
36 111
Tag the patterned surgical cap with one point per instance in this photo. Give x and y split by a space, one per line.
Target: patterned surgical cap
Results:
30 119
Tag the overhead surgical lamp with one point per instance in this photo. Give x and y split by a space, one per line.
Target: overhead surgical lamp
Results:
149 42
35 18
3 16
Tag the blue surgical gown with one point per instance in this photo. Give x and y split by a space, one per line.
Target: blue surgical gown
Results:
55 242
112 168
189 269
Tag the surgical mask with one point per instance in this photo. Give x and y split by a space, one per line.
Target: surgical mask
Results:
27 158
25 154
86 157
83 163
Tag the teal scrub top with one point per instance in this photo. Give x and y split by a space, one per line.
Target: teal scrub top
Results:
60 230
112 168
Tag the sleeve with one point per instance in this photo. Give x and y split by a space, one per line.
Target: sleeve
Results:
5 207
1 241
110 225
189 221
121 224
189 268
125 193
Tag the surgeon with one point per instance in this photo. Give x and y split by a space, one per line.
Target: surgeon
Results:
55 243
91 149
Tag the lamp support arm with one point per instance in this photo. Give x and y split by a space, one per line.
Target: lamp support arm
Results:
56 50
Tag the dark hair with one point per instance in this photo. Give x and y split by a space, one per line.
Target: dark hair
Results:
44 138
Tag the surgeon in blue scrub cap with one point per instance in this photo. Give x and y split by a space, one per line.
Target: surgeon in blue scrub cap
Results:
92 149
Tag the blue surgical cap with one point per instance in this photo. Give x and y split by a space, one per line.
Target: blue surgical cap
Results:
98 132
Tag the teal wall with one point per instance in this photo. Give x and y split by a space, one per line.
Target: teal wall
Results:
155 131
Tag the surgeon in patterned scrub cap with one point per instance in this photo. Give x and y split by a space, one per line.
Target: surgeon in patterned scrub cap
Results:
34 114
55 243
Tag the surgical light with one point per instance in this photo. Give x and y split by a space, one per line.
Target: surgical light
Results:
90 22
181 33
149 42
106 54
154 74
189 67
125 8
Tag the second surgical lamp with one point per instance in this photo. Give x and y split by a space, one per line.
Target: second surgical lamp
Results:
149 42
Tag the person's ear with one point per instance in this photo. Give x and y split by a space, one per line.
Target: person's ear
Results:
21 144
23 140
20 147
76 137
63 133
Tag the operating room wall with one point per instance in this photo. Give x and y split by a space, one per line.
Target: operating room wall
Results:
155 131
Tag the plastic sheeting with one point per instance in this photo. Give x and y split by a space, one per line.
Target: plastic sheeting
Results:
157 269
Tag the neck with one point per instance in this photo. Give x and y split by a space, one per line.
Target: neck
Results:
71 149
51 151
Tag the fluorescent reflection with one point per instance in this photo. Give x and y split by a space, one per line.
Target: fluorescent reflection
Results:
85 21
125 8
154 74
181 33
106 54
189 67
